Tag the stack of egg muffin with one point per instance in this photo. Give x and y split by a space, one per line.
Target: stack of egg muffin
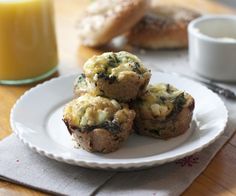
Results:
112 97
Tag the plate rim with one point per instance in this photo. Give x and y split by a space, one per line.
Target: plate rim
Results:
109 166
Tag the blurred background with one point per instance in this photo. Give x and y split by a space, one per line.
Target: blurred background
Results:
228 2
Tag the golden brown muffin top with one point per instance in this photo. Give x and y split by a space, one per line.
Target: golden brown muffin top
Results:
160 101
113 66
87 111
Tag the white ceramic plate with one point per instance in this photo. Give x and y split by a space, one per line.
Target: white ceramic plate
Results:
36 118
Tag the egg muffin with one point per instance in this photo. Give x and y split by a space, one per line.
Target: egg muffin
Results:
163 111
98 124
120 76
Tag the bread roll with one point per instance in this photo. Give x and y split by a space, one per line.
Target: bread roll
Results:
106 19
165 27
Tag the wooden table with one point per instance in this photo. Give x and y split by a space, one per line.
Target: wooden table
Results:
219 177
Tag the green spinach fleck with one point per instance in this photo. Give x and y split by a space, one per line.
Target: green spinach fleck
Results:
168 88
113 61
179 102
81 78
162 99
112 126
106 77
136 68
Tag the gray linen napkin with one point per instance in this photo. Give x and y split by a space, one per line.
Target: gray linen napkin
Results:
21 165
165 180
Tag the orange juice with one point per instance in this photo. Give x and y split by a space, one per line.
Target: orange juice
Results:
28 48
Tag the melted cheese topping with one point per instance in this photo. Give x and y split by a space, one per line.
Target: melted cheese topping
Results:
113 65
88 110
160 100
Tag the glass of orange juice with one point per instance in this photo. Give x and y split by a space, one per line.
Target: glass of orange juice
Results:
28 49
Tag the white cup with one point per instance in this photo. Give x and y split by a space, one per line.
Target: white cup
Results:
212 47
